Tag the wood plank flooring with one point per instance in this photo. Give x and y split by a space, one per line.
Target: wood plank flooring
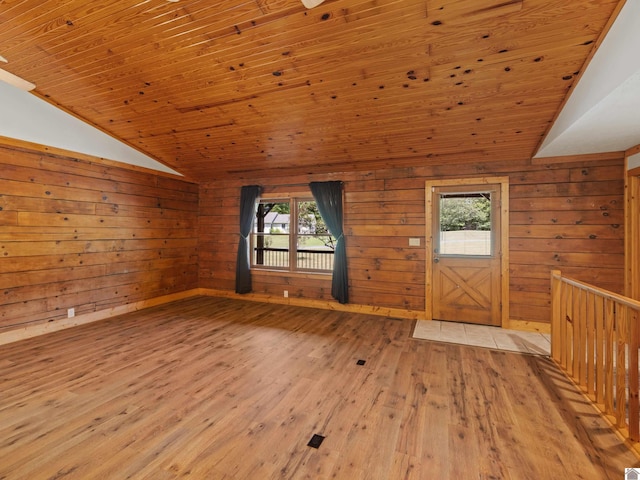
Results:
209 388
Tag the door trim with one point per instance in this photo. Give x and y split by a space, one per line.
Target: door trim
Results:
631 231
504 239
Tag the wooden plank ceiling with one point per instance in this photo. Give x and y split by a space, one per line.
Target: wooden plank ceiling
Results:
239 88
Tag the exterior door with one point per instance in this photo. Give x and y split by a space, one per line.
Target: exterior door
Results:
466 253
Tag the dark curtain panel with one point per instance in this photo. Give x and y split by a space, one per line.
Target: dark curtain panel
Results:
248 197
328 196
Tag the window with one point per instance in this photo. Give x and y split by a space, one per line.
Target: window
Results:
289 234
465 225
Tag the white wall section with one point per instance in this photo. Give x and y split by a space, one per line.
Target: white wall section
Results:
603 111
24 116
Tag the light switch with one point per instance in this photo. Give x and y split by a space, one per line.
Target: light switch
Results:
414 242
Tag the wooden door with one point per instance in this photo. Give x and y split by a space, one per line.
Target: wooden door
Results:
466 253
632 233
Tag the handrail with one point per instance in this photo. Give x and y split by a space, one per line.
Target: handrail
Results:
600 291
595 340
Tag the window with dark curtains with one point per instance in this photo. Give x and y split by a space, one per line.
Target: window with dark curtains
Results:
328 197
248 196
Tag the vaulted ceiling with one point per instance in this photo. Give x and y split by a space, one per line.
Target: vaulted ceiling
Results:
267 87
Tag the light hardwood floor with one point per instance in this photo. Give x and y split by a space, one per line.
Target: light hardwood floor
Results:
210 388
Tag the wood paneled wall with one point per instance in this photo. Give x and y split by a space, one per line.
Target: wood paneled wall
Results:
566 216
76 233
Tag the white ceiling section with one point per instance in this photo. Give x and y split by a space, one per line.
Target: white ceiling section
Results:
24 116
603 111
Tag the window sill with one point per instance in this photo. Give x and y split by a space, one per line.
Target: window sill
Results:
289 273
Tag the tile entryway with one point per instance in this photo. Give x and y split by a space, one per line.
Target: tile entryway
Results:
484 336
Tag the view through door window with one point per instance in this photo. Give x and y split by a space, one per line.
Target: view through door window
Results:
465 224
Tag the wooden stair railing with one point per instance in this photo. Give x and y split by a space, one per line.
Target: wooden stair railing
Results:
594 339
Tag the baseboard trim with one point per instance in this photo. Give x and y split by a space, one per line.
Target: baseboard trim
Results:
527 326
521 325
29 331
321 304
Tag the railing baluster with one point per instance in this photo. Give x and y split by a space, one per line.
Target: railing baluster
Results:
564 325
582 341
600 340
575 317
609 355
556 315
590 357
621 361
595 338
632 319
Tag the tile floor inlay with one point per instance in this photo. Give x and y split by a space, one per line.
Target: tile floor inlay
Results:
484 336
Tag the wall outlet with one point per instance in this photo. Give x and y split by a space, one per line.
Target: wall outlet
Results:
286 294
71 312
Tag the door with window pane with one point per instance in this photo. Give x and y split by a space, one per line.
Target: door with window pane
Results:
466 282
